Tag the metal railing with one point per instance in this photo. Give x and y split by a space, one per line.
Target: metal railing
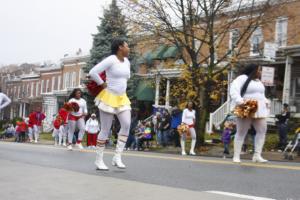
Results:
216 118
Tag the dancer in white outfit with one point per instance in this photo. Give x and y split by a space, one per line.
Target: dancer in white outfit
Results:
113 100
244 87
4 101
76 118
188 118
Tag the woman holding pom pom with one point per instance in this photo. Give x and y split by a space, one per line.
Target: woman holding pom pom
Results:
248 92
76 117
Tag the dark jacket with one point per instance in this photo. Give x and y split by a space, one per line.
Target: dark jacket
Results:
282 118
165 123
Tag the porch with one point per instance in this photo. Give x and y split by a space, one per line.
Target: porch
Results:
286 88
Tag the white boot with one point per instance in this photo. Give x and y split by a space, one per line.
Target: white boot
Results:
259 143
237 151
182 143
64 141
193 144
36 136
59 140
117 160
257 158
55 141
99 159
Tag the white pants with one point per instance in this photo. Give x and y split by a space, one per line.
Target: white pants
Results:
72 124
30 133
59 134
106 123
192 132
243 125
36 132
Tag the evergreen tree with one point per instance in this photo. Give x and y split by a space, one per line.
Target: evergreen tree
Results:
113 25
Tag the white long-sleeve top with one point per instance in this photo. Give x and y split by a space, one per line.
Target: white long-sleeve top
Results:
117 74
255 90
4 100
82 107
92 126
188 116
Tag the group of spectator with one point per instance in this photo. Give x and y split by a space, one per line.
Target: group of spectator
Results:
159 130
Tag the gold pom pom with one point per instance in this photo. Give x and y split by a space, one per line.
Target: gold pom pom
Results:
247 109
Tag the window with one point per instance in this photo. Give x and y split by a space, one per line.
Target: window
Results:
70 79
65 80
58 82
23 91
19 91
74 79
216 47
255 41
27 90
53 83
37 89
234 36
31 89
281 31
15 91
47 86
42 86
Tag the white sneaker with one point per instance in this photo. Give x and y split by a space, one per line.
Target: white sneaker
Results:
192 153
79 146
257 158
183 153
64 144
35 141
69 147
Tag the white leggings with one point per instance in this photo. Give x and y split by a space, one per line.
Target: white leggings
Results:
72 124
30 133
106 122
60 134
36 131
260 126
192 132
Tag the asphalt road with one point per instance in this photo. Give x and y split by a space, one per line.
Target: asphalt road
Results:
46 172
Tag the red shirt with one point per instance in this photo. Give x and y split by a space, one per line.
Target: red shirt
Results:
57 122
22 126
36 118
63 113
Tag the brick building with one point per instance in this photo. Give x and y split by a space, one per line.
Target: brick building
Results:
276 43
47 86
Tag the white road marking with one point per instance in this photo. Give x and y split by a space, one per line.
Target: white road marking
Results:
239 195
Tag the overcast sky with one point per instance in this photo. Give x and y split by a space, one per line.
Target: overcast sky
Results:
39 30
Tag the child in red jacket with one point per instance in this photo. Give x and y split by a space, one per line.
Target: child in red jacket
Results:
58 130
37 118
21 130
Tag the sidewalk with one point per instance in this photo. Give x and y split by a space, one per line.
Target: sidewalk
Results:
217 151
210 150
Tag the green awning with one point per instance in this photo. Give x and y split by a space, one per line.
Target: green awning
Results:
145 91
171 52
159 52
145 59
